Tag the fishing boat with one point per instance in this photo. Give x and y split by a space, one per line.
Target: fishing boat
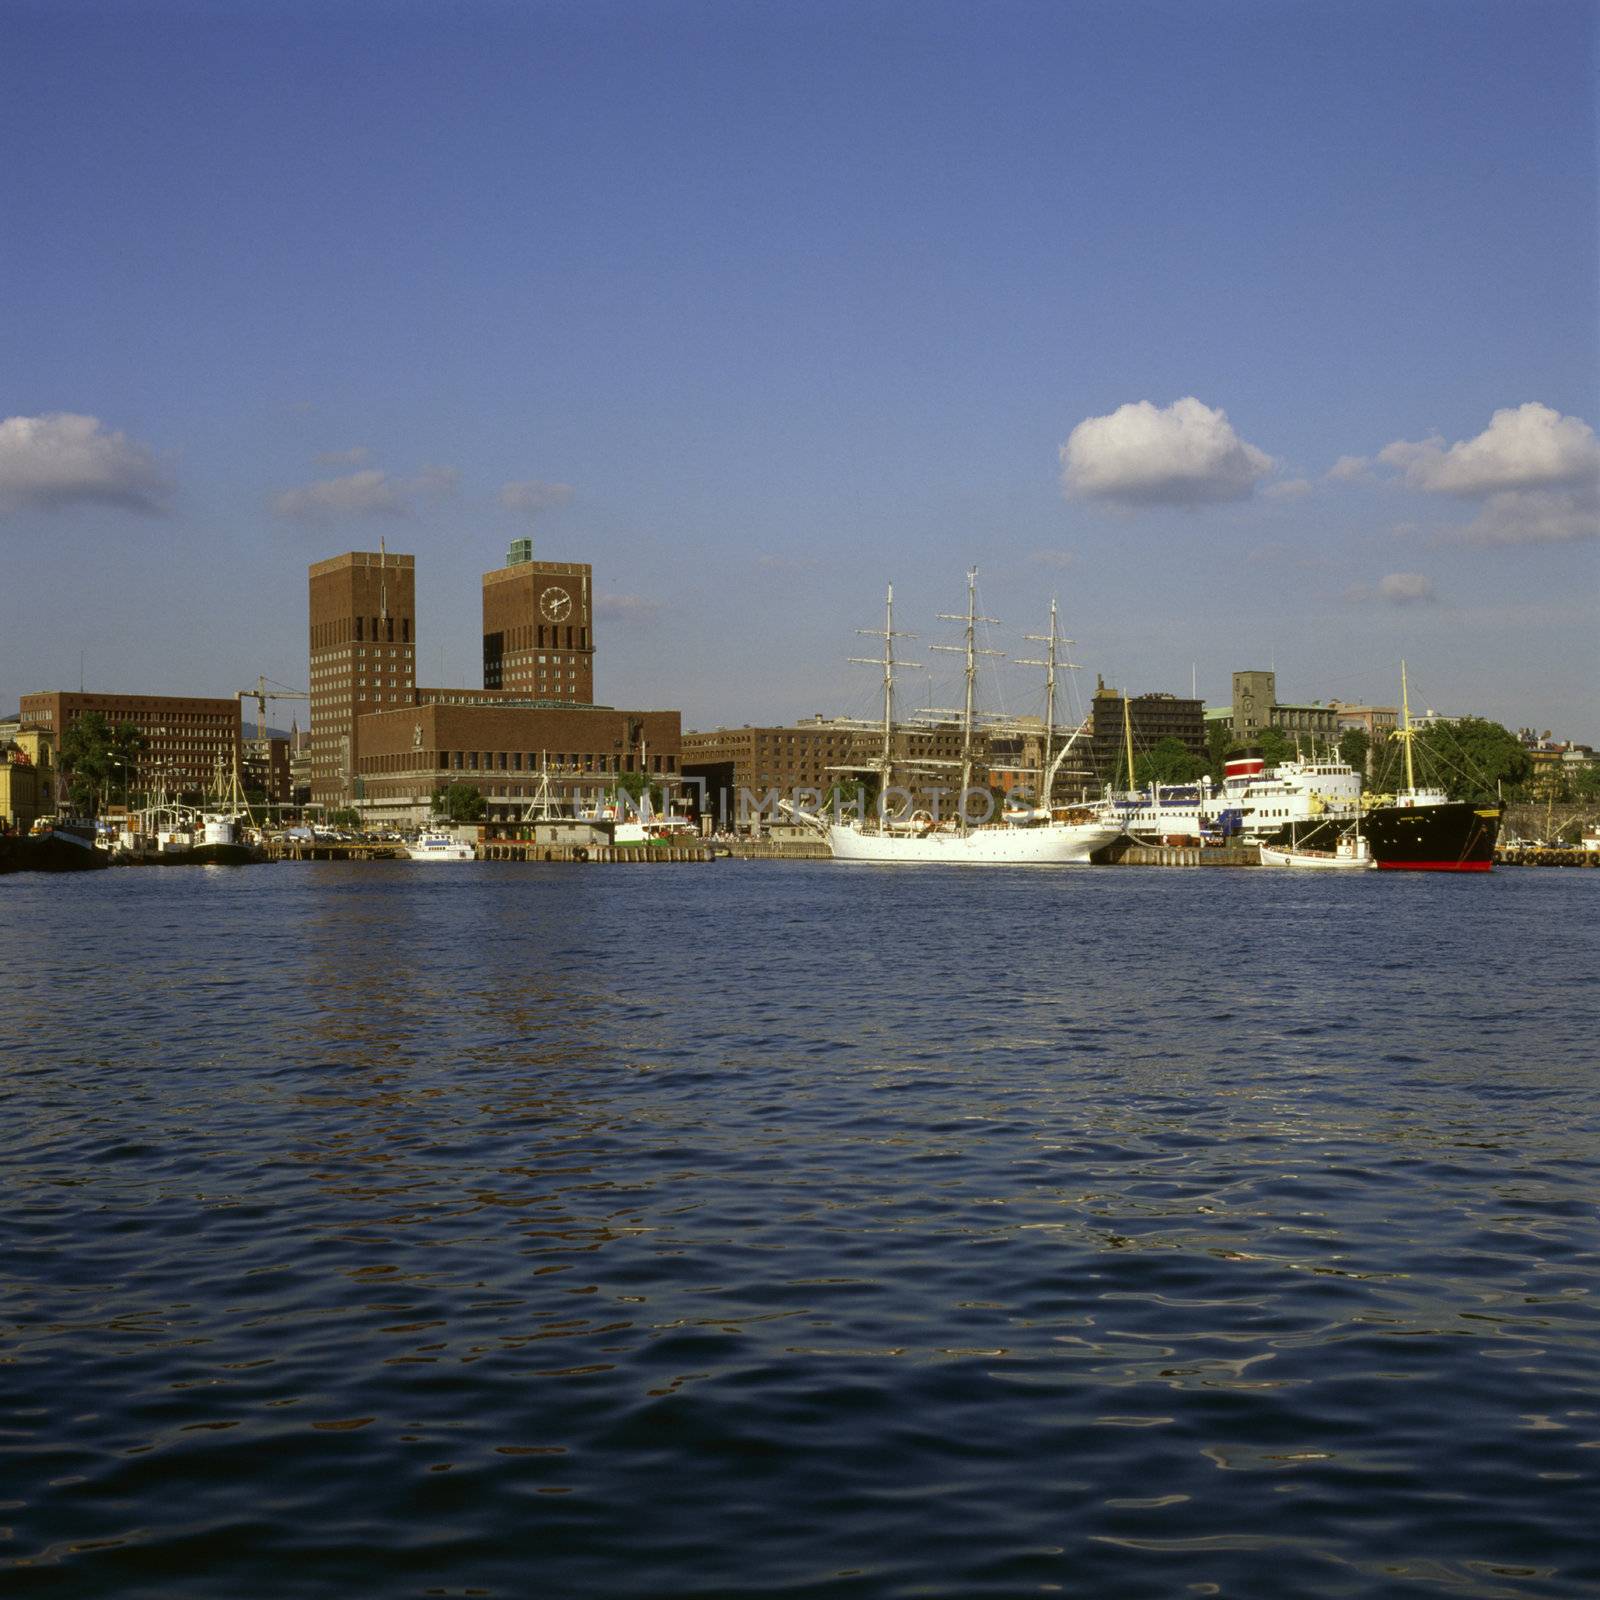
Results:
1350 853
1424 830
1038 835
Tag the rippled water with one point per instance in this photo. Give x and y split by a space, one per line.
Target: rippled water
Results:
764 1229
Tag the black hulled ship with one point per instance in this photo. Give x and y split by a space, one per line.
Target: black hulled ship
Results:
1424 830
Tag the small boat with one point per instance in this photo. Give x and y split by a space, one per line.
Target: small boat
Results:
1350 853
440 847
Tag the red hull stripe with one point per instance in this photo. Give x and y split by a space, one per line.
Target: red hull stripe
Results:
1436 866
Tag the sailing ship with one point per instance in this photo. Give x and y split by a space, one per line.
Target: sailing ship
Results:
1037 835
1424 830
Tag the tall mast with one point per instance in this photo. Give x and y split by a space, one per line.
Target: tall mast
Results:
1127 737
1406 735
1050 663
972 652
888 663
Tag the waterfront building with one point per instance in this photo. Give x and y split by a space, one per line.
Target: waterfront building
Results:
187 739
363 620
1256 708
1377 722
721 764
505 750
383 745
265 768
1153 717
538 628
27 778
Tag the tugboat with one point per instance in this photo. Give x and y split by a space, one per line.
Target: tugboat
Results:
1424 830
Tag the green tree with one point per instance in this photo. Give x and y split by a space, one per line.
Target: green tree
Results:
1470 757
1275 746
1586 781
460 802
635 785
1220 744
1355 744
1170 761
99 759
347 817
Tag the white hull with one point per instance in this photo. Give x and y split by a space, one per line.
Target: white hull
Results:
1342 860
1049 844
440 850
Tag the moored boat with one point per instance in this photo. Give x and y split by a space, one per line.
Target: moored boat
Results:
1041 835
440 847
1351 853
1424 830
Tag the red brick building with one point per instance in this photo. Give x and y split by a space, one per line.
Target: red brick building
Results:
501 750
538 628
363 618
185 738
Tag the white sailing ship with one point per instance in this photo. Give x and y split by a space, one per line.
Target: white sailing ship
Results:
1037 836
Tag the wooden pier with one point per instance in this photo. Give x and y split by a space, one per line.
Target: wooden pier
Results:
603 854
1187 855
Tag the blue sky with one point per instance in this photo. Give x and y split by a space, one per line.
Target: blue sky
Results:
776 304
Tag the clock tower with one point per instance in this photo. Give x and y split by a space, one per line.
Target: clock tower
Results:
538 628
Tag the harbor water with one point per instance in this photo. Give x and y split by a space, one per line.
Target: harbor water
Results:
791 1229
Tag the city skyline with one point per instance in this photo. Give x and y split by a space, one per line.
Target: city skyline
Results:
1264 337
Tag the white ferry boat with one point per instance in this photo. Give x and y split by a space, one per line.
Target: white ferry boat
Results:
1253 802
440 847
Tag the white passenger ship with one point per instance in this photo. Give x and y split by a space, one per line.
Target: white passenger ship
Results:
1253 802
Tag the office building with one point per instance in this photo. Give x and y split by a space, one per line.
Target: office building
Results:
363 619
188 741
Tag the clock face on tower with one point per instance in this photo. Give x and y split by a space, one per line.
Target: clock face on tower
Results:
555 605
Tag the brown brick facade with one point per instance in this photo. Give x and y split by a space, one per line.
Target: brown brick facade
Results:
538 631
406 755
363 658
185 737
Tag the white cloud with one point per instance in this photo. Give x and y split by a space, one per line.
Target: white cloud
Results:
372 493
1052 558
1288 489
1529 447
62 459
1142 454
359 456
1350 469
1395 589
1536 471
1535 516
535 495
1405 588
625 607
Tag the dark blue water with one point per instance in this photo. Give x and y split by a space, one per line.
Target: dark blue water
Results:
798 1230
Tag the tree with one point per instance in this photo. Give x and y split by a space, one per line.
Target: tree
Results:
1355 744
1220 743
97 757
1470 757
460 802
347 817
635 785
1170 761
1276 746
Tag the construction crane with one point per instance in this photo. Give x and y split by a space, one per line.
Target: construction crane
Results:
261 694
